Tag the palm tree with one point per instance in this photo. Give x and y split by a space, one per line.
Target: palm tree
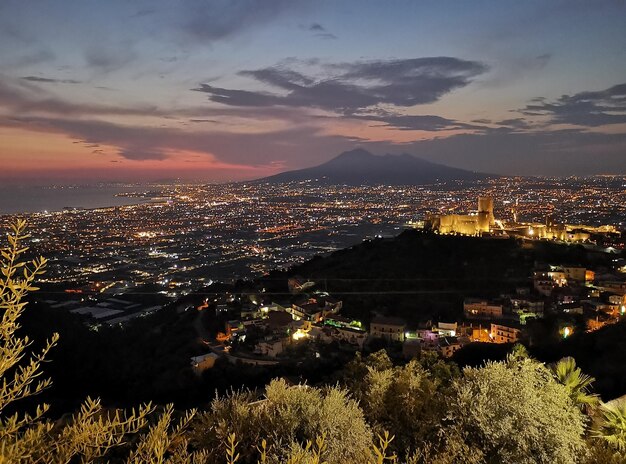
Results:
610 424
568 374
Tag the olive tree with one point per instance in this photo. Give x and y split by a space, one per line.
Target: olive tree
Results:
515 411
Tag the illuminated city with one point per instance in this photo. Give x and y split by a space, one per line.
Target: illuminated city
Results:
312 232
189 235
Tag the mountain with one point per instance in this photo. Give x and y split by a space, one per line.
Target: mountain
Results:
360 167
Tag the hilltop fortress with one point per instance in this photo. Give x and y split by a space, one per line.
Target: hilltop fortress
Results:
468 224
483 221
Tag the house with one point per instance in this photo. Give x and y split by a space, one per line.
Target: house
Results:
480 334
278 320
250 312
349 335
448 346
389 328
504 334
531 304
617 299
543 285
308 309
481 309
570 308
270 348
203 362
338 321
575 273
330 304
446 329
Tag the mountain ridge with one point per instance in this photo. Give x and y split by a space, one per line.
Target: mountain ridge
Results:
360 167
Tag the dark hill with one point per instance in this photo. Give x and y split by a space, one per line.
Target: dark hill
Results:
360 167
418 275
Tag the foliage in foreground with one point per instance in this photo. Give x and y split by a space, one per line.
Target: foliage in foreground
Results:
423 412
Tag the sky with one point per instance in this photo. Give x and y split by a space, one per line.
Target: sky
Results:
215 91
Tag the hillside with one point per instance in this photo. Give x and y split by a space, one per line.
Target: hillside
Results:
417 275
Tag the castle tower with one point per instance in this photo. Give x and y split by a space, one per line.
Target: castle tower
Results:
485 208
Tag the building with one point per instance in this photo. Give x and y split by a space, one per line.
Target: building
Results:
278 320
270 348
388 328
480 334
203 362
481 309
448 346
576 274
476 223
485 213
504 334
446 329
349 335
309 310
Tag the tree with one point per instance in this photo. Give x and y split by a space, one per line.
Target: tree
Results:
578 384
286 419
515 411
408 401
610 424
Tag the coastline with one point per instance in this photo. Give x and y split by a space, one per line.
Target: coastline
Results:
41 200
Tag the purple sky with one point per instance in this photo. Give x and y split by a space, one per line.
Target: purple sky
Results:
228 90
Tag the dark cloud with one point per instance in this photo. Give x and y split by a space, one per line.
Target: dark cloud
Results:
502 151
555 153
109 58
590 109
516 123
319 31
280 77
50 80
38 57
300 145
326 36
429 123
20 96
238 97
542 60
211 21
351 87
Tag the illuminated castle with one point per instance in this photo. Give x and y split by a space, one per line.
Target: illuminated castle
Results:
469 224
483 221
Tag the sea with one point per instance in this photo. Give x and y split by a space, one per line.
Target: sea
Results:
22 199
